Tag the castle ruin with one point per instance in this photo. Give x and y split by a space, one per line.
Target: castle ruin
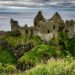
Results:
45 28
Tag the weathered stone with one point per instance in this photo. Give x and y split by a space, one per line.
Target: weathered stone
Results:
39 17
17 51
21 49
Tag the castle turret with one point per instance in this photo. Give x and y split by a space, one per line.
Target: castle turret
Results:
39 17
56 17
57 21
14 25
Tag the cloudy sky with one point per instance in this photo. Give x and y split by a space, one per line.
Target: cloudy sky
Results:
37 3
24 11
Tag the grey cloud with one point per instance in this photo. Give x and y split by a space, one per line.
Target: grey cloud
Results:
36 3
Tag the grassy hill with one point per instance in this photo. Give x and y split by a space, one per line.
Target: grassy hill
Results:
39 53
6 56
54 67
47 58
15 41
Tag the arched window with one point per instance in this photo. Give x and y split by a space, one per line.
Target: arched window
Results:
48 31
54 27
31 32
26 31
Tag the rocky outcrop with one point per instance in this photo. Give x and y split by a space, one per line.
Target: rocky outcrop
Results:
21 49
17 51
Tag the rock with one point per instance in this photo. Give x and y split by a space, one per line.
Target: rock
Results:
21 49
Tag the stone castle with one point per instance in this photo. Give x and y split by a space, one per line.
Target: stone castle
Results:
45 28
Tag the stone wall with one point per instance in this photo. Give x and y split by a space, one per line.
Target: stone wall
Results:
26 30
14 25
70 27
45 27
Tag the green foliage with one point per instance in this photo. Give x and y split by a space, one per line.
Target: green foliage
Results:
65 66
54 67
71 46
67 44
6 56
15 41
53 41
7 68
39 52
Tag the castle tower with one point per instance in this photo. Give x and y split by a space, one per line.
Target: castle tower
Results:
57 22
39 17
14 25
56 16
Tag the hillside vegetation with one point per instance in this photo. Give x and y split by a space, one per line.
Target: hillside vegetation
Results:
16 40
40 53
64 66
53 58
6 56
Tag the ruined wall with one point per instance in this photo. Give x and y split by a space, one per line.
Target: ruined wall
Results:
14 25
45 27
26 30
42 26
70 27
38 17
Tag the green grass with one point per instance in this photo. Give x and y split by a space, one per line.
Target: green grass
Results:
7 68
36 55
67 43
15 41
64 66
55 64
6 56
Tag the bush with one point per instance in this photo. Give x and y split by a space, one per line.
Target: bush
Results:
38 54
7 68
66 44
15 41
6 56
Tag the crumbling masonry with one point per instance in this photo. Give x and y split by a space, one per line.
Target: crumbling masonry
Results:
45 28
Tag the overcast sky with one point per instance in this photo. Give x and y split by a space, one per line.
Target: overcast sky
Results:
25 10
37 3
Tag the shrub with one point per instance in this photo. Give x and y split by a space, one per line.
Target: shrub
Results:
7 68
6 56
39 53
66 44
15 41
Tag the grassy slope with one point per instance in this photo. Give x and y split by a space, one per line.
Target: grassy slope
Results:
15 41
6 56
37 53
64 66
